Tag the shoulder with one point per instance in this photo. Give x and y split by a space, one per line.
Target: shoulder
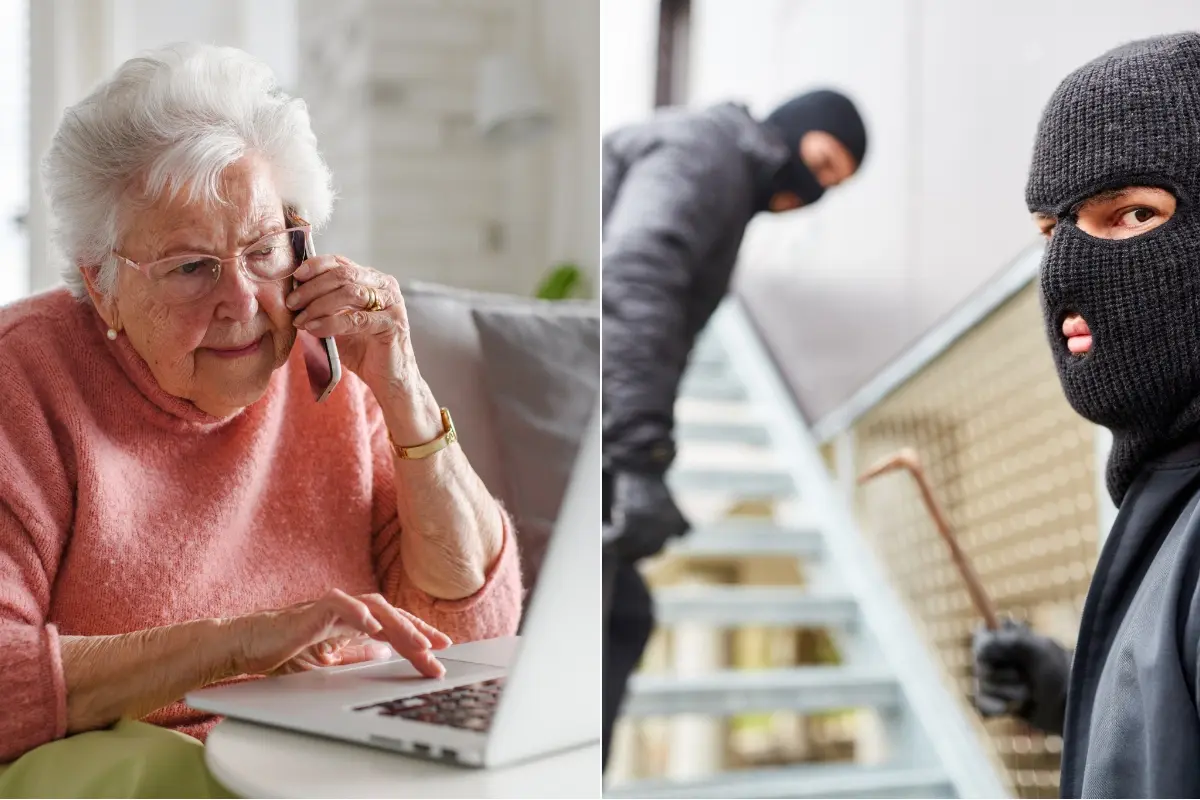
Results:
40 312
688 129
40 354
43 335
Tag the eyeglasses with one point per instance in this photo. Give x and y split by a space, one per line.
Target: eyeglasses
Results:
189 277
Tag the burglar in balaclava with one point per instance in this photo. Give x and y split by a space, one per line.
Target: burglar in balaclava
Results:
679 191
1114 185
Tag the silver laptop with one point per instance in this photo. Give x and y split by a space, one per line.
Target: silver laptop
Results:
501 700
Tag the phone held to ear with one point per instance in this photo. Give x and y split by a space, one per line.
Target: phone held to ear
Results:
320 354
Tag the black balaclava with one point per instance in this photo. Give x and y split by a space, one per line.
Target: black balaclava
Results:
822 110
1130 117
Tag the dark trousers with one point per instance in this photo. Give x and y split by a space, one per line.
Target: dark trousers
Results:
628 623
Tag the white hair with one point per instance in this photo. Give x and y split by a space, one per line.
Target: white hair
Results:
169 118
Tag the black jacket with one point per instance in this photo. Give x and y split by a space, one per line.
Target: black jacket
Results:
1133 704
679 191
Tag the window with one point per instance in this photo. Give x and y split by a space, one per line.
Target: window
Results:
14 149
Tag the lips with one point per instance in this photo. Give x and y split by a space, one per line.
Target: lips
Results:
1079 336
237 351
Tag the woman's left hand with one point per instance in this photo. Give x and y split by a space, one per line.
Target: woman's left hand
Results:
363 309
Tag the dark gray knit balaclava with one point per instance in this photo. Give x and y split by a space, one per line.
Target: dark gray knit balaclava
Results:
822 110
1129 118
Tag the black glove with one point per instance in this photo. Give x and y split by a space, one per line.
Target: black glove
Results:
644 516
1019 672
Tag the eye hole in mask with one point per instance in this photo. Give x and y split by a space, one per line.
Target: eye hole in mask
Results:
1120 213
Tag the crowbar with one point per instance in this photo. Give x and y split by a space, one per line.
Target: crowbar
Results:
907 459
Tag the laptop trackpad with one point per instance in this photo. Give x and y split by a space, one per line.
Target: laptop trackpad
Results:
399 672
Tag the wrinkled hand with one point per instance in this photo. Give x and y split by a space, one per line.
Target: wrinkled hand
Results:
644 516
1020 672
334 299
337 629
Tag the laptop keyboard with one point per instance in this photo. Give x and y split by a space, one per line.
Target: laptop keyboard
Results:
469 707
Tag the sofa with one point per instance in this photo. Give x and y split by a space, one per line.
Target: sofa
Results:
521 378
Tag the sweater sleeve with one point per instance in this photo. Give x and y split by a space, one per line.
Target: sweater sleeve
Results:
35 514
494 610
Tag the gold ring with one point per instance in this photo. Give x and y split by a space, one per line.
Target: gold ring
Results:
373 303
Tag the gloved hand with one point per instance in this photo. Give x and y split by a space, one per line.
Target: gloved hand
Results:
1020 672
644 516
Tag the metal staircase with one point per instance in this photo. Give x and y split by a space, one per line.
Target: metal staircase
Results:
740 437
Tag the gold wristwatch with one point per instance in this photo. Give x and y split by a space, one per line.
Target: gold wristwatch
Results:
449 436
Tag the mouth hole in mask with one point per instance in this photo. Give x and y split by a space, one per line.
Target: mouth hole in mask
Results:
1075 334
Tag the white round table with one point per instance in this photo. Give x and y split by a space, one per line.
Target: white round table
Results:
257 761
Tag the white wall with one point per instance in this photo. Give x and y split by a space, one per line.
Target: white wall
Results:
333 80
628 36
14 158
423 196
951 92
77 43
436 190
266 28
390 86
570 46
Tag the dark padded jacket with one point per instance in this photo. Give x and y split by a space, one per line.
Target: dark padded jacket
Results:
679 191
1133 704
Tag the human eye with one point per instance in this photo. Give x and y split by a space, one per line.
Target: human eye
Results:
184 268
267 249
1045 224
190 267
1135 217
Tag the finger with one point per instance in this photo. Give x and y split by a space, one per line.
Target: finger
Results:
325 652
1002 675
426 663
438 640
352 323
1006 692
387 289
328 281
314 266
309 658
990 706
397 628
353 611
338 300
364 651
404 636
999 651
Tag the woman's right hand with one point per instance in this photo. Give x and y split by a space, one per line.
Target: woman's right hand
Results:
337 629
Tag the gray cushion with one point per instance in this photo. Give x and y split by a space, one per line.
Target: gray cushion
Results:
542 371
450 358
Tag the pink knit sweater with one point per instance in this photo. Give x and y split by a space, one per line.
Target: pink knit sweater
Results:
123 508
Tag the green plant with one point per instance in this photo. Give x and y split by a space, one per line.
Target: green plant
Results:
562 282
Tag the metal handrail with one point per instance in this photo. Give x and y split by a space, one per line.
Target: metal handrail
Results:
937 712
936 341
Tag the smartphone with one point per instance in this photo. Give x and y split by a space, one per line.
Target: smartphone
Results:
320 354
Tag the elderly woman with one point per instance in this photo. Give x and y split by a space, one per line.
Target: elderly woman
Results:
176 509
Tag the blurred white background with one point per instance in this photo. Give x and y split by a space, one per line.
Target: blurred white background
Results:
392 86
951 93
14 138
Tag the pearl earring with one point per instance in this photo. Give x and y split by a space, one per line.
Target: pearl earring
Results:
112 334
